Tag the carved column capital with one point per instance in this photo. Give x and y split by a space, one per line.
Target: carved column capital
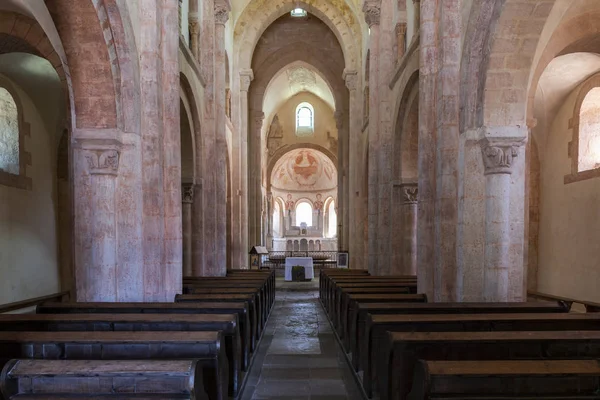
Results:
194 26
187 193
410 193
246 76
103 162
351 79
499 153
401 28
258 117
372 10
222 9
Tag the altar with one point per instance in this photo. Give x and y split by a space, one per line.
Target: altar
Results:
306 262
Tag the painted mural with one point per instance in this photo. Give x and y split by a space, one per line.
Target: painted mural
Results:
304 170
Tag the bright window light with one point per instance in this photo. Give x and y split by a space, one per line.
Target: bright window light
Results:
298 12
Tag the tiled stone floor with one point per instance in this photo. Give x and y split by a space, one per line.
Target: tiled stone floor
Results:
299 357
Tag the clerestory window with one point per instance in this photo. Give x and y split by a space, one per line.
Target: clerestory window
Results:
305 120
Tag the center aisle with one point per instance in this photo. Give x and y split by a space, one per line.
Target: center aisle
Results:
299 357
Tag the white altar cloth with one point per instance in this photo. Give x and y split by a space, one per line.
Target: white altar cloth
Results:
306 262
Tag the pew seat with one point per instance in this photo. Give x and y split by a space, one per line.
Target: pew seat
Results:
506 380
42 378
207 347
227 324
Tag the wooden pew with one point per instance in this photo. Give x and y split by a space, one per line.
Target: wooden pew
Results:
325 275
226 323
269 276
375 340
208 347
361 308
341 302
338 289
267 296
259 307
503 380
335 281
248 280
239 309
249 299
479 346
84 378
260 297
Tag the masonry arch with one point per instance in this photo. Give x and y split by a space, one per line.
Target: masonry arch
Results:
260 14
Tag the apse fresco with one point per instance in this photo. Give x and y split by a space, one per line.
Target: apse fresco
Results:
304 169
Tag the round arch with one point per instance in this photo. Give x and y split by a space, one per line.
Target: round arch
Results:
187 93
402 137
284 150
260 14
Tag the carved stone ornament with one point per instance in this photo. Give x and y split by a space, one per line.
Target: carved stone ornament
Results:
259 118
103 162
372 10
222 9
246 77
498 154
187 193
410 194
194 26
351 79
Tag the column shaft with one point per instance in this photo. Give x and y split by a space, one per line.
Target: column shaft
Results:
187 202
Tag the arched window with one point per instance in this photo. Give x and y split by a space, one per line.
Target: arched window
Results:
304 214
9 134
589 131
332 226
305 120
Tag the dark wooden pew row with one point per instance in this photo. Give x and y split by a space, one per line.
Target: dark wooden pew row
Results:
227 324
361 307
43 378
337 289
376 348
248 280
249 299
339 313
239 309
261 301
479 346
267 281
504 380
333 282
325 275
257 304
268 275
207 347
351 301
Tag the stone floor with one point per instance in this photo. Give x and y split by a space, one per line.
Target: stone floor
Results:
299 357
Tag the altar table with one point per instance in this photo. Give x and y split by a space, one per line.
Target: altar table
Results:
306 262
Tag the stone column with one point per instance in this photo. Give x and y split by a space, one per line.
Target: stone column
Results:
269 218
239 176
342 180
417 7
355 212
409 224
198 255
254 178
187 199
372 10
222 9
194 28
498 155
194 25
401 40
96 165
